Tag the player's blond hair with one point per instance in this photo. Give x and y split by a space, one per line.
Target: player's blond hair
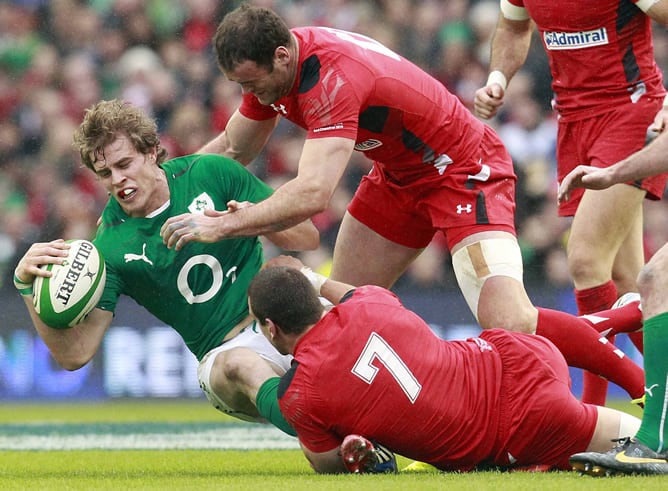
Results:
105 121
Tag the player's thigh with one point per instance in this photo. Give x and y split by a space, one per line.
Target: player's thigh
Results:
364 257
601 225
653 284
231 374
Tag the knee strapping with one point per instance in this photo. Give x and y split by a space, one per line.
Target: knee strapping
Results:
476 262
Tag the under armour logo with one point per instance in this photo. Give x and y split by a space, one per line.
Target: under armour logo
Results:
280 109
461 209
138 257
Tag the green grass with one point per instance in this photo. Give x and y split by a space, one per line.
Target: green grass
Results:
275 470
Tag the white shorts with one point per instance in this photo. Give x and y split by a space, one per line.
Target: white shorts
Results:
249 337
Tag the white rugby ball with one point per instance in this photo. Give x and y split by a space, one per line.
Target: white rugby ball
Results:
73 290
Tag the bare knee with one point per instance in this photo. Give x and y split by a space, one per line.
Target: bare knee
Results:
235 365
585 268
522 319
505 304
653 283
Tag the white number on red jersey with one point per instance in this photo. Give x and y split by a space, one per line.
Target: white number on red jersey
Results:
377 349
364 42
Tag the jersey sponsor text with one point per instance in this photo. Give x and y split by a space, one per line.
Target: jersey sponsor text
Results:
575 40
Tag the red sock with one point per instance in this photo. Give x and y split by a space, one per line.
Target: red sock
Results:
626 319
596 299
590 300
583 347
637 340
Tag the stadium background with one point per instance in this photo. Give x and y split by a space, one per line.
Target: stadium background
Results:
58 57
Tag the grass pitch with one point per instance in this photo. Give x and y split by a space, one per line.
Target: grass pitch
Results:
168 468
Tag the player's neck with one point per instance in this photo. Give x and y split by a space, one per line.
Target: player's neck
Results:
160 196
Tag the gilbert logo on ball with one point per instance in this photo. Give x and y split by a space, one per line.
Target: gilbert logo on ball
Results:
74 288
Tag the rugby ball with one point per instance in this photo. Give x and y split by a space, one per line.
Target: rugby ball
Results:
73 290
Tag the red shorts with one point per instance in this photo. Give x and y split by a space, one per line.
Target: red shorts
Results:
605 139
540 420
469 197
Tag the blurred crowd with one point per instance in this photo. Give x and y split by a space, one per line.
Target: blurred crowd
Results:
58 57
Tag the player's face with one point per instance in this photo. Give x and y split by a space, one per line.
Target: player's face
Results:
267 86
132 178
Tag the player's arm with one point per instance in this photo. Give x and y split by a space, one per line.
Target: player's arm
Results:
74 347
332 290
509 50
321 165
301 237
242 139
325 462
649 161
657 10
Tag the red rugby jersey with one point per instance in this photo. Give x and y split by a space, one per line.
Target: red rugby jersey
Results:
351 86
372 367
600 53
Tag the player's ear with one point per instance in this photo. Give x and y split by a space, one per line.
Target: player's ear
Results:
272 329
282 55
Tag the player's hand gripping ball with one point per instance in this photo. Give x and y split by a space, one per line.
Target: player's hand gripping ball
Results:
67 297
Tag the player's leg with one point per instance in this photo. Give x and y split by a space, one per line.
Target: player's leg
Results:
605 243
630 257
628 456
488 269
648 447
607 223
363 257
240 378
610 426
653 285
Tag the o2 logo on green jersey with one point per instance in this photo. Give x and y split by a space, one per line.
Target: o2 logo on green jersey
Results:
216 272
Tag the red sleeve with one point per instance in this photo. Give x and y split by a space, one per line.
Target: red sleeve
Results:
312 433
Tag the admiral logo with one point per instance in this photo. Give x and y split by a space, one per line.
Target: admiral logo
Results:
368 145
76 269
575 40
337 126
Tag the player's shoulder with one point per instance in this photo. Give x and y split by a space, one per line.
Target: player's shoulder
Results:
186 163
327 45
366 292
205 167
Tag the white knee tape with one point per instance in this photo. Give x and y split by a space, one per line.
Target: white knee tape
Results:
476 262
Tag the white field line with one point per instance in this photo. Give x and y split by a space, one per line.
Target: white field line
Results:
227 437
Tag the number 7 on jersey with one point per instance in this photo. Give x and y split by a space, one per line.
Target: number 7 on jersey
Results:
377 349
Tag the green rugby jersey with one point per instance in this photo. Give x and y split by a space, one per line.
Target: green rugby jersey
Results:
200 290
